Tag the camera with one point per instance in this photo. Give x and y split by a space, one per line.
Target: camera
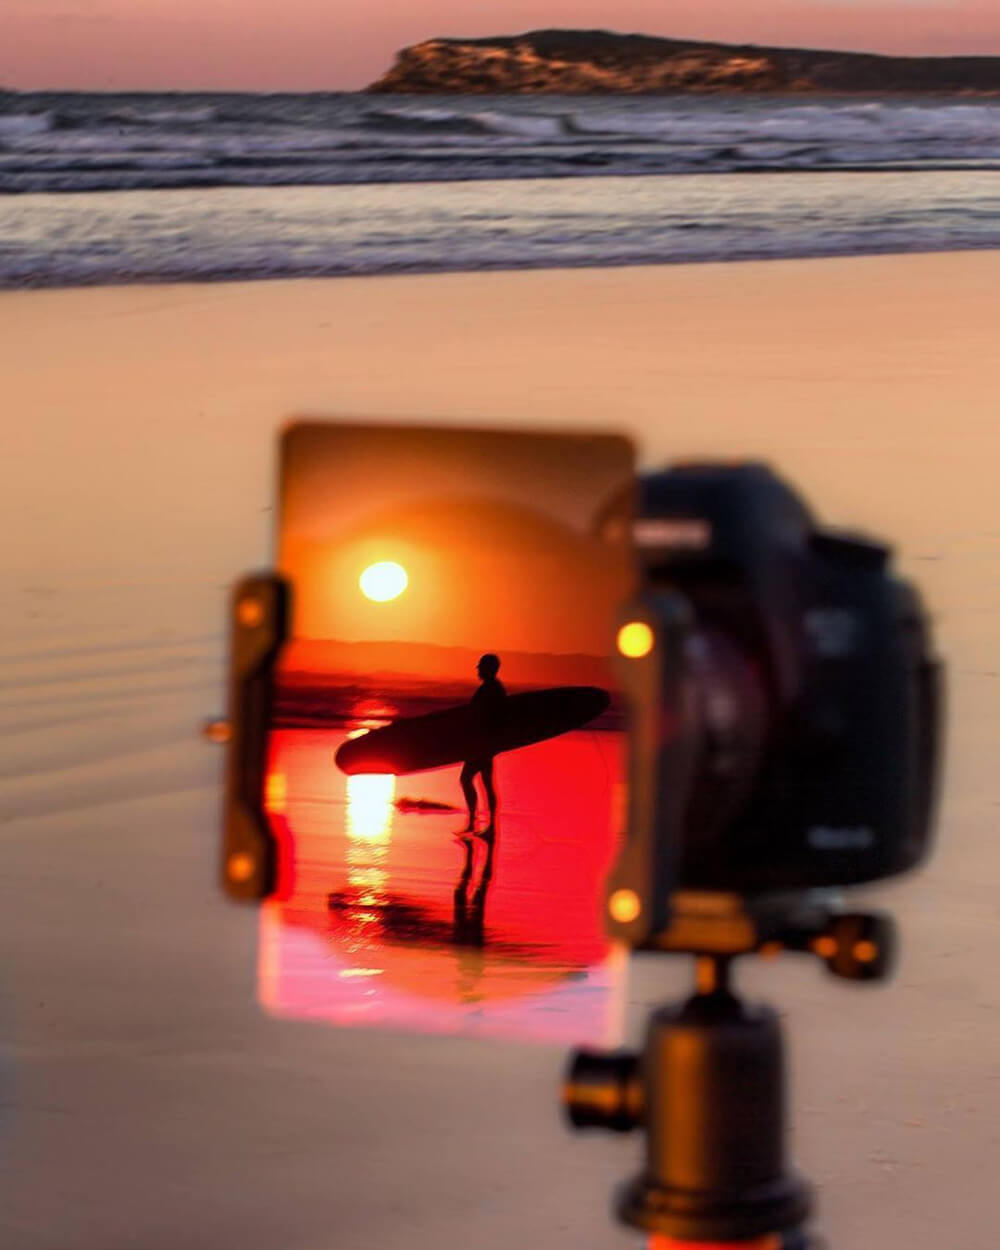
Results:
785 710
785 722
783 705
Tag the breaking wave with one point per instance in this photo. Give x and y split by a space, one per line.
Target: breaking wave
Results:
15 124
78 142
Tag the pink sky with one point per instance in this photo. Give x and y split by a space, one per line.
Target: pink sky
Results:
344 44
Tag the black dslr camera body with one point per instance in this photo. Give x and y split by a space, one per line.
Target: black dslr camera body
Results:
784 741
785 723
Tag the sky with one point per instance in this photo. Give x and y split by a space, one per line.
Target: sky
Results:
333 45
494 530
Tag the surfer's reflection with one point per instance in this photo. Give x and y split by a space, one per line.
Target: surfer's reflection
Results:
470 917
368 917
488 706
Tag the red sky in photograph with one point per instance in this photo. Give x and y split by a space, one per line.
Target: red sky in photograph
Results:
307 45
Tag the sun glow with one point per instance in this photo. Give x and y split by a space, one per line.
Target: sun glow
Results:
383 581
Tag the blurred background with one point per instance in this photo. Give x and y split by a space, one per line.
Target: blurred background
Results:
147 1098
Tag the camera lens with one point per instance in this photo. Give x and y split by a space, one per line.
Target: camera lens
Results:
732 709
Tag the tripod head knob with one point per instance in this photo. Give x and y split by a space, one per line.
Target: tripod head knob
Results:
604 1090
859 946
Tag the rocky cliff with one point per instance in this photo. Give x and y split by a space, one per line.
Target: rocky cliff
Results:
584 62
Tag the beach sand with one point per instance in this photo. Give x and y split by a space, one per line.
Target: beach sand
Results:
148 1102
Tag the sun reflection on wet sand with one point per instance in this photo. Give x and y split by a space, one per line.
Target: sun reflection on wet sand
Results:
369 831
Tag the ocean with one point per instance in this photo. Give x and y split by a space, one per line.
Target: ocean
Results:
111 188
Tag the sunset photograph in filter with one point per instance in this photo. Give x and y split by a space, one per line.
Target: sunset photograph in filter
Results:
445 770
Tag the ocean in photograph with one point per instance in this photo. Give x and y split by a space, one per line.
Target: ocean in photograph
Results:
122 188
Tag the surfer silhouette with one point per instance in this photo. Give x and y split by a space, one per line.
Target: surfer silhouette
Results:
488 707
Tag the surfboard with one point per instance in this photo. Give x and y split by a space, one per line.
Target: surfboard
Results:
414 744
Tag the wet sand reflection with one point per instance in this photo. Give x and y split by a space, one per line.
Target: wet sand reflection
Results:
386 917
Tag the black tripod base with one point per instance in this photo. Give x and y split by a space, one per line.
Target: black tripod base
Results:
709 1086
713 1077
692 1217
709 1090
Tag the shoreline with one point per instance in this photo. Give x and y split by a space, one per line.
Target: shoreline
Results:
542 267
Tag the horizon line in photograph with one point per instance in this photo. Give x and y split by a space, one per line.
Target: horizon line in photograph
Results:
323 682
330 661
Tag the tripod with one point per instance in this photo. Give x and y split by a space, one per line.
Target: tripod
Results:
709 1086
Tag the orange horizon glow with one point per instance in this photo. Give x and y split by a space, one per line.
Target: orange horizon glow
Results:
462 542
124 45
502 541
453 590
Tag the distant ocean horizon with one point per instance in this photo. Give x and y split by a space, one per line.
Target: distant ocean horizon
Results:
164 187
353 701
